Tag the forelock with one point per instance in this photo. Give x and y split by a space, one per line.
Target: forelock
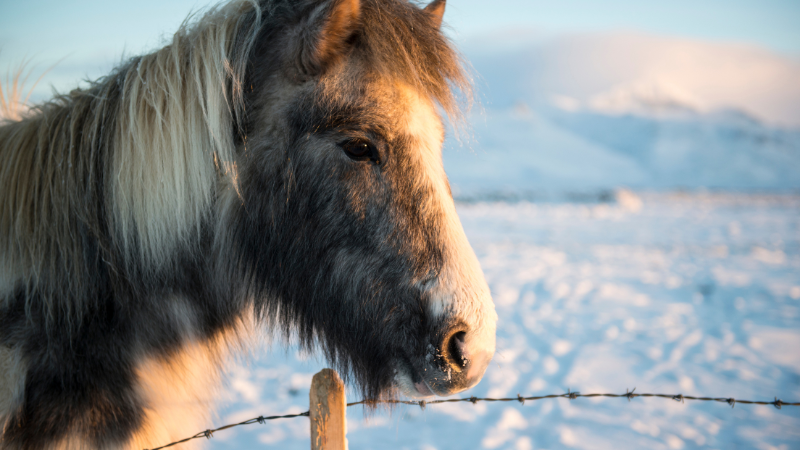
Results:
399 40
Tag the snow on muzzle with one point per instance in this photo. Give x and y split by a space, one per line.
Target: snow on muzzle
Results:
451 366
456 356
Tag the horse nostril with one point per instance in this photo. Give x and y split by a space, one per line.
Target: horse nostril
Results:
456 351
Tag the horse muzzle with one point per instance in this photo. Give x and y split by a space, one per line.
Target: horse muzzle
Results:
454 362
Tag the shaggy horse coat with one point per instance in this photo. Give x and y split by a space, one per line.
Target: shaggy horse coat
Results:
277 166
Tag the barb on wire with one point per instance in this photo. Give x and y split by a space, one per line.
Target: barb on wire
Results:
208 434
572 395
777 403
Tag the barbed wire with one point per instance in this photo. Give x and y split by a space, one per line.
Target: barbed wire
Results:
208 434
777 403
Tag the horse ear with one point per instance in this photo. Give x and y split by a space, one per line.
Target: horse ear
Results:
435 10
325 35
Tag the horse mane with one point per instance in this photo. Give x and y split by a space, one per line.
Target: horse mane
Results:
134 156
124 173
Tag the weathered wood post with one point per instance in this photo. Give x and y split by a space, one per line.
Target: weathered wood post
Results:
327 408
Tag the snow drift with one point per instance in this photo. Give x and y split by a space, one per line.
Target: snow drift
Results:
592 112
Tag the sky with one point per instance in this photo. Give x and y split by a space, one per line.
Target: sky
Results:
61 27
84 39
768 23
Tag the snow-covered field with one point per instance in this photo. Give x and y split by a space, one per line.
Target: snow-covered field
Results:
694 293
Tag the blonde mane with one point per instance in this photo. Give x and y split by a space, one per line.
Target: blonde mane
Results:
147 143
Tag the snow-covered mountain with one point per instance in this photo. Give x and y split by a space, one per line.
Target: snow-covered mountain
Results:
591 113
723 149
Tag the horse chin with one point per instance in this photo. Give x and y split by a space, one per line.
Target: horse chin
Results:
410 389
411 384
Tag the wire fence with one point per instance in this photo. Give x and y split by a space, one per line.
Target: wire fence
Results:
777 403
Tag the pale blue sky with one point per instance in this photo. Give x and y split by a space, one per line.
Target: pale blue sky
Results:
768 23
91 35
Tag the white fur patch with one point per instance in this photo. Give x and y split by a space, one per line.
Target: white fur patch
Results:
178 395
461 289
180 392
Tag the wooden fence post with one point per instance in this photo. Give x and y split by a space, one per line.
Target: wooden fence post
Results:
327 408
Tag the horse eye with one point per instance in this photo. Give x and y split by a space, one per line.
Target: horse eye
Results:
360 150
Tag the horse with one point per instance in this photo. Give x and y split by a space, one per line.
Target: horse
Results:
276 166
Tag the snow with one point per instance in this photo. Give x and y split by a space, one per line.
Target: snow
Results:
520 151
643 98
582 115
690 292
545 153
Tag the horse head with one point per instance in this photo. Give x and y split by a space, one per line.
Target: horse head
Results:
343 215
